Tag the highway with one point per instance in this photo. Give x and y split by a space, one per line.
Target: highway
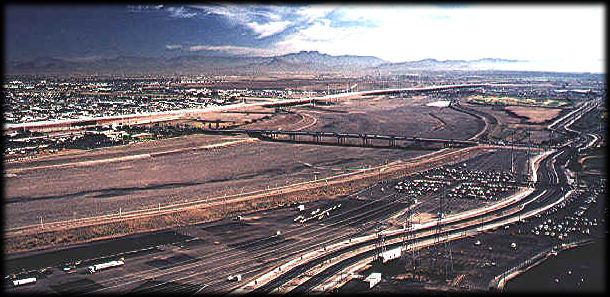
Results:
553 183
535 203
247 260
253 257
151 117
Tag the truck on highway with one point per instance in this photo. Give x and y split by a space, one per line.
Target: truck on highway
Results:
98 267
25 281
236 277
391 254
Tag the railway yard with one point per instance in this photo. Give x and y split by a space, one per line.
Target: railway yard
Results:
214 214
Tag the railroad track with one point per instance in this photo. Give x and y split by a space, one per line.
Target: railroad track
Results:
548 171
275 283
361 213
354 220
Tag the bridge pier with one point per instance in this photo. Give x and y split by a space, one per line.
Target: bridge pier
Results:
341 138
270 135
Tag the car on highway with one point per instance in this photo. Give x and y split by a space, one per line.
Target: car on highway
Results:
69 269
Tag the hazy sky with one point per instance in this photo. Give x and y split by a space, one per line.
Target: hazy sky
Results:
562 37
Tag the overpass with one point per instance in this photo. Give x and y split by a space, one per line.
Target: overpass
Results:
342 139
151 117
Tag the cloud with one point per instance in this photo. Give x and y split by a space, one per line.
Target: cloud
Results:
236 50
172 47
267 20
173 11
245 13
400 33
312 13
268 29
568 33
179 12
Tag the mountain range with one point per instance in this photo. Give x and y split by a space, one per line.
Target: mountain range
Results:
304 62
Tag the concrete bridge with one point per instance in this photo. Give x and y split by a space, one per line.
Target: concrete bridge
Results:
347 139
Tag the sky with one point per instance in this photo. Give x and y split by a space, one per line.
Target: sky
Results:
553 37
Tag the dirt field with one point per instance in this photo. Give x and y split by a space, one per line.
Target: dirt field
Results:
191 168
510 128
535 114
227 246
398 116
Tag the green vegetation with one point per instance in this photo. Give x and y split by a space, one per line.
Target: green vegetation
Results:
500 100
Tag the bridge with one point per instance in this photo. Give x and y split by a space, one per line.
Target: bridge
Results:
347 139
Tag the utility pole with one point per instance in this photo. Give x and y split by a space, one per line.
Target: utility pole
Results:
512 154
380 244
437 235
407 226
447 256
408 236
442 251
529 165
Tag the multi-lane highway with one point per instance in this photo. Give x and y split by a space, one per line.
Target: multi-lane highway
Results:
552 189
322 245
367 247
151 117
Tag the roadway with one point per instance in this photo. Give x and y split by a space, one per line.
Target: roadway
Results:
357 220
553 183
246 256
151 117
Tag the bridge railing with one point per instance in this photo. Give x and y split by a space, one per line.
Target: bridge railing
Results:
341 135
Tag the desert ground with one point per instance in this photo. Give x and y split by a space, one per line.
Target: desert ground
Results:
196 167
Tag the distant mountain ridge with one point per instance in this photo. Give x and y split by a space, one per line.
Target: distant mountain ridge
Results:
433 64
300 62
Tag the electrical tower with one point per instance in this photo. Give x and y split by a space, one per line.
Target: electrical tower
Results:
380 243
442 260
530 146
512 153
408 238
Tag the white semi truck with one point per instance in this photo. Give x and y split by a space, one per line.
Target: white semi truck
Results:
236 277
98 267
25 281
391 254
